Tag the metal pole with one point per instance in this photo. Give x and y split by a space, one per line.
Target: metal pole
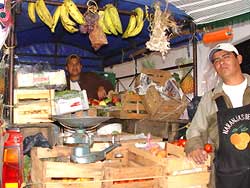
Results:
194 41
11 45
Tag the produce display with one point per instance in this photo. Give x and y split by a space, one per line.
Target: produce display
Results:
109 101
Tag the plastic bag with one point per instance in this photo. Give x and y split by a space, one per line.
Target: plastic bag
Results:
97 37
37 140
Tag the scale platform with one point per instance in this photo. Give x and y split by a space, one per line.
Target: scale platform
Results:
80 122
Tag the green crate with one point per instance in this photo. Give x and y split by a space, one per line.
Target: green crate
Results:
110 76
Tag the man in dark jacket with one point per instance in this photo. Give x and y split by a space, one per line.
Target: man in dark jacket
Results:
95 85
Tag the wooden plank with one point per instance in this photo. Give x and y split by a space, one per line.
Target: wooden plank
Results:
188 180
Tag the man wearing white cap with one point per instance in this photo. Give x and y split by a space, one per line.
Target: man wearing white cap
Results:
223 119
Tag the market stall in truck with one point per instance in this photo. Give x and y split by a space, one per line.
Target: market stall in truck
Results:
51 136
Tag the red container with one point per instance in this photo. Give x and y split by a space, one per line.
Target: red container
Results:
12 174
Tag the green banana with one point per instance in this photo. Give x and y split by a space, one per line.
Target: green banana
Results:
74 12
101 22
108 22
32 11
131 26
114 15
64 15
56 17
43 13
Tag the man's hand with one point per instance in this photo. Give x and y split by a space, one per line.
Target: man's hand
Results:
199 156
101 93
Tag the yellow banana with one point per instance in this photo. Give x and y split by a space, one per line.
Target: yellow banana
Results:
139 14
69 28
74 12
137 30
108 22
64 15
32 11
131 26
101 22
139 22
114 15
56 17
43 13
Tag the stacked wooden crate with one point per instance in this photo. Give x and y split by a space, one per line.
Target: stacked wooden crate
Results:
33 105
132 107
130 171
136 168
179 171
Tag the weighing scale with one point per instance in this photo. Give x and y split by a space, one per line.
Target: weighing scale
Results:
82 137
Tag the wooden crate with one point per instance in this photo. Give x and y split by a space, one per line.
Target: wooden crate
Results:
161 109
33 105
49 174
132 107
180 172
130 171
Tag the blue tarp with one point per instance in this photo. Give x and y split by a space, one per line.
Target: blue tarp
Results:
36 43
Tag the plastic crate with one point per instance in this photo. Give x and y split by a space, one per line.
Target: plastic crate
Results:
110 76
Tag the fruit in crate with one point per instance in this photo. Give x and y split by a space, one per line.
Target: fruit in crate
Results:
181 142
102 103
115 99
94 102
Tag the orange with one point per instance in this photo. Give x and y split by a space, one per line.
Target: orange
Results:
241 146
162 154
244 137
235 139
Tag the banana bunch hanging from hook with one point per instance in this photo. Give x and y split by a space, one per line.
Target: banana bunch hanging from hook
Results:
109 20
66 12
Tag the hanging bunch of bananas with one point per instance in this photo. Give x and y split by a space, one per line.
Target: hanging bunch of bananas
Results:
66 21
109 20
42 11
64 12
135 24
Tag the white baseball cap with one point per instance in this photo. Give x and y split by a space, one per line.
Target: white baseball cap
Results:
222 46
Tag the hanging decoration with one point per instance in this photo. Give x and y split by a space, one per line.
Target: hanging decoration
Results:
160 27
5 14
5 21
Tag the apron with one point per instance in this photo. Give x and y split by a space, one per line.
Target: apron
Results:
232 160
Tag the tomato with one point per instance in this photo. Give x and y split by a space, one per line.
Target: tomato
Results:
182 142
175 142
208 148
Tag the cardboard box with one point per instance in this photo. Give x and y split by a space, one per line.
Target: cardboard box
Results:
71 102
41 79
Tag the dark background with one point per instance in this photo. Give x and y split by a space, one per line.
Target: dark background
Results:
244 50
